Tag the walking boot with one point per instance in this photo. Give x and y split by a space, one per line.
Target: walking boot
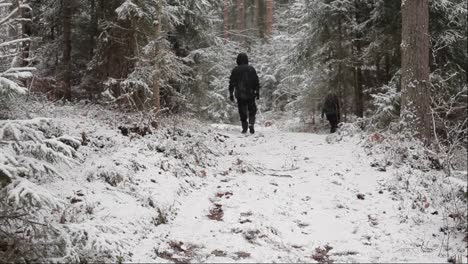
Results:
251 128
244 127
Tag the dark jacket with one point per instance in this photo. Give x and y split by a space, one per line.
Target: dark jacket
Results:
331 105
244 82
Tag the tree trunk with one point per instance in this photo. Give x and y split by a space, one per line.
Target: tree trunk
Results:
66 59
415 67
378 75
358 80
269 17
93 27
226 19
256 15
358 93
261 24
156 84
388 77
241 19
27 32
341 73
358 77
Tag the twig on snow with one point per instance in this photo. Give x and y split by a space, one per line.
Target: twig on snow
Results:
270 174
292 169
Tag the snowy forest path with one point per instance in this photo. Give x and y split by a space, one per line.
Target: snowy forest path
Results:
288 197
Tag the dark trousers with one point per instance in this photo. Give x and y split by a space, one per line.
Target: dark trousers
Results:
247 108
333 119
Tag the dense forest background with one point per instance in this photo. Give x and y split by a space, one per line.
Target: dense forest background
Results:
121 51
399 68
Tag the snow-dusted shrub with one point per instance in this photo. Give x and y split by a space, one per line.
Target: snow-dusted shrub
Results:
450 120
114 173
110 175
399 148
94 243
346 131
420 180
430 194
186 155
387 105
9 88
32 153
10 81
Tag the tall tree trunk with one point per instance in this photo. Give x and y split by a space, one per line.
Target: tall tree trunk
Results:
241 18
256 15
260 16
226 19
66 58
269 17
26 14
358 92
93 27
341 74
358 77
358 83
415 67
388 77
157 72
378 70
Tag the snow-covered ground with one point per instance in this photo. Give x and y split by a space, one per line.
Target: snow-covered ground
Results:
200 193
290 197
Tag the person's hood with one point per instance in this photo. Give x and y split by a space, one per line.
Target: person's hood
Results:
242 59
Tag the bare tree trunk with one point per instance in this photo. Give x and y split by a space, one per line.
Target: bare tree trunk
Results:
269 17
156 84
66 59
415 67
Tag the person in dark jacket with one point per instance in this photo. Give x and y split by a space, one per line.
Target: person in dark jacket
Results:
331 108
245 86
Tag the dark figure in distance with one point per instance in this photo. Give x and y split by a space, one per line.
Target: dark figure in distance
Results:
331 108
245 86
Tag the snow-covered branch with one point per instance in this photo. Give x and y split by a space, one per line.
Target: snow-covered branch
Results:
11 51
15 41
